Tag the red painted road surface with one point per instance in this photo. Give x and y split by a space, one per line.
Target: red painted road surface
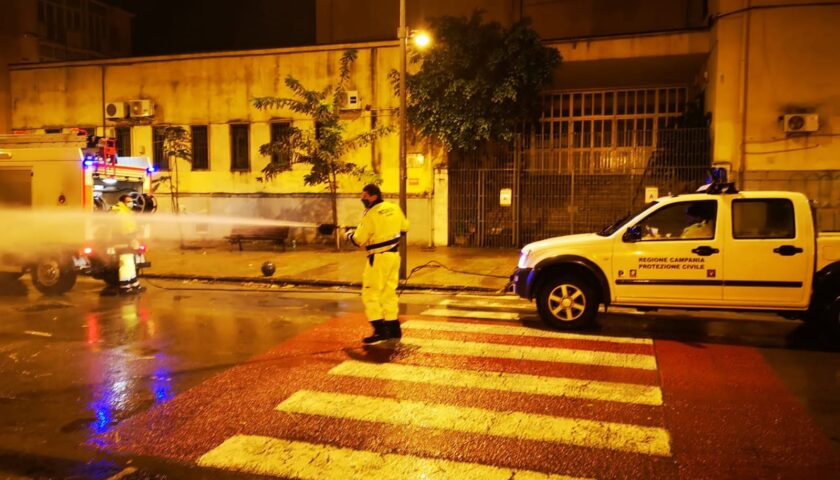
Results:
727 414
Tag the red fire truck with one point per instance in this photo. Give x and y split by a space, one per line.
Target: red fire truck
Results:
50 185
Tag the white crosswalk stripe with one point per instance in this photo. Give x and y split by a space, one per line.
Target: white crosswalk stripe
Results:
516 331
542 354
526 426
273 456
478 314
506 382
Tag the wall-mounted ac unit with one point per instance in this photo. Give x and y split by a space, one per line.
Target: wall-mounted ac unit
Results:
142 108
352 102
801 122
116 110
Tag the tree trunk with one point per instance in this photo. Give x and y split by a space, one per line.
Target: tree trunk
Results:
334 200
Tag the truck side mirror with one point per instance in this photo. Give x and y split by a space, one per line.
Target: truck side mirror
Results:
632 235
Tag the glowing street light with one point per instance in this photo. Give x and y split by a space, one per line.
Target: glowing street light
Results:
421 39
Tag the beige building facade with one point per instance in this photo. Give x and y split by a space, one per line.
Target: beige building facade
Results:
754 62
34 31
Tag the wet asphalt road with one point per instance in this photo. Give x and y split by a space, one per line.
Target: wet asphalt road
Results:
75 367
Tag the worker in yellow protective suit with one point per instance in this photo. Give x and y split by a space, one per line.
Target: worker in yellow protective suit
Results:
379 233
124 242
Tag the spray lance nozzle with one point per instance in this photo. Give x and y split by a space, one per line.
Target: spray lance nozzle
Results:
329 228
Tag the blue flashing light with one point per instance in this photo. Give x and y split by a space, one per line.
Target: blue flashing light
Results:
151 169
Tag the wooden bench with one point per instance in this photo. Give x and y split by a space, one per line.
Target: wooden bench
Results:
277 235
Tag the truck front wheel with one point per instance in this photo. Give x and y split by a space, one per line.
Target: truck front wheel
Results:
53 275
567 302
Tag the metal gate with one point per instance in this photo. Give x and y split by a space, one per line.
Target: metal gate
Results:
584 194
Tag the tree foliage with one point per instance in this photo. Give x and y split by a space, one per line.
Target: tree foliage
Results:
479 82
324 146
177 143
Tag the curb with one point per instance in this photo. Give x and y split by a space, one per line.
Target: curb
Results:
313 282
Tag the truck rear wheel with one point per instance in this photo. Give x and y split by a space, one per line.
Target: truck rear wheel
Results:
567 302
53 275
827 316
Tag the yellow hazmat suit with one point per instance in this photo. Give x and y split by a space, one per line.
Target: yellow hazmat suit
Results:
123 239
379 233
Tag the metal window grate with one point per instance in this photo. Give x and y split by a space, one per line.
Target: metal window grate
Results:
200 154
588 161
239 155
160 160
278 130
123 137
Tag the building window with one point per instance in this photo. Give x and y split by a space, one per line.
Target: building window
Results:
239 159
279 130
606 130
200 156
159 159
53 130
123 137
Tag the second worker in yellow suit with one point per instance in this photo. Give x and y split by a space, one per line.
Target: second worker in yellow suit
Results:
123 239
379 233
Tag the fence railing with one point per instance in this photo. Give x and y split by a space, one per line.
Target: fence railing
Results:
571 197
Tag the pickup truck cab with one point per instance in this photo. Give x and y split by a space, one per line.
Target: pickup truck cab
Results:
719 249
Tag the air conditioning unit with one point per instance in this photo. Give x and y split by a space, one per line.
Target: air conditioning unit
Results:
142 108
801 122
116 110
352 102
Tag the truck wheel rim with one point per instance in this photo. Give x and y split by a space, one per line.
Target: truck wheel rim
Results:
48 273
566 302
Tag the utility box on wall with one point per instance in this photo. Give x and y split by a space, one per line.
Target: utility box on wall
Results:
116 110
801 122
142 108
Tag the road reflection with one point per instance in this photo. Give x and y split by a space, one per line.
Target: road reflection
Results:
126 386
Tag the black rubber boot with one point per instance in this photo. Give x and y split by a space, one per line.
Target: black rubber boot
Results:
379 333
392 329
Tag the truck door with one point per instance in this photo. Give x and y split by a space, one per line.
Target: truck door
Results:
16 187
768 258
672 256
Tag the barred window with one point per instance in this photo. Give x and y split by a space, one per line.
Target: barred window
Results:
159 159
278 130
200 153
123 137
603 130
239 148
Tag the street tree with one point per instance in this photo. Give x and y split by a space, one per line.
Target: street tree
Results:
480 83
177 144
324 146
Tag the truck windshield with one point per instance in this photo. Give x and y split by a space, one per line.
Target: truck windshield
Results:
609 230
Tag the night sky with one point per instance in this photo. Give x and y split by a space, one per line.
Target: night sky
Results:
187 26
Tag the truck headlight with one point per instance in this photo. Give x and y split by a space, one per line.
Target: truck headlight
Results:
523 258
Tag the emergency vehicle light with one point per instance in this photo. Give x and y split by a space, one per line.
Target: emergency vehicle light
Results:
151 169
88 251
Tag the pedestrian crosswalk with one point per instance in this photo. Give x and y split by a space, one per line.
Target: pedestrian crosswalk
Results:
471 361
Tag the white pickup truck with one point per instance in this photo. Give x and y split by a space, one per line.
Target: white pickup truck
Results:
718 250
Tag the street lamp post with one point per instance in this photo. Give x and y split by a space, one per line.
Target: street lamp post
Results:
403 36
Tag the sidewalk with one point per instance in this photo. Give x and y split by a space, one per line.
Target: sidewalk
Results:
322 265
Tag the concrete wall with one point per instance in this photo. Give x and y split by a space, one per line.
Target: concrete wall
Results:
767 61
